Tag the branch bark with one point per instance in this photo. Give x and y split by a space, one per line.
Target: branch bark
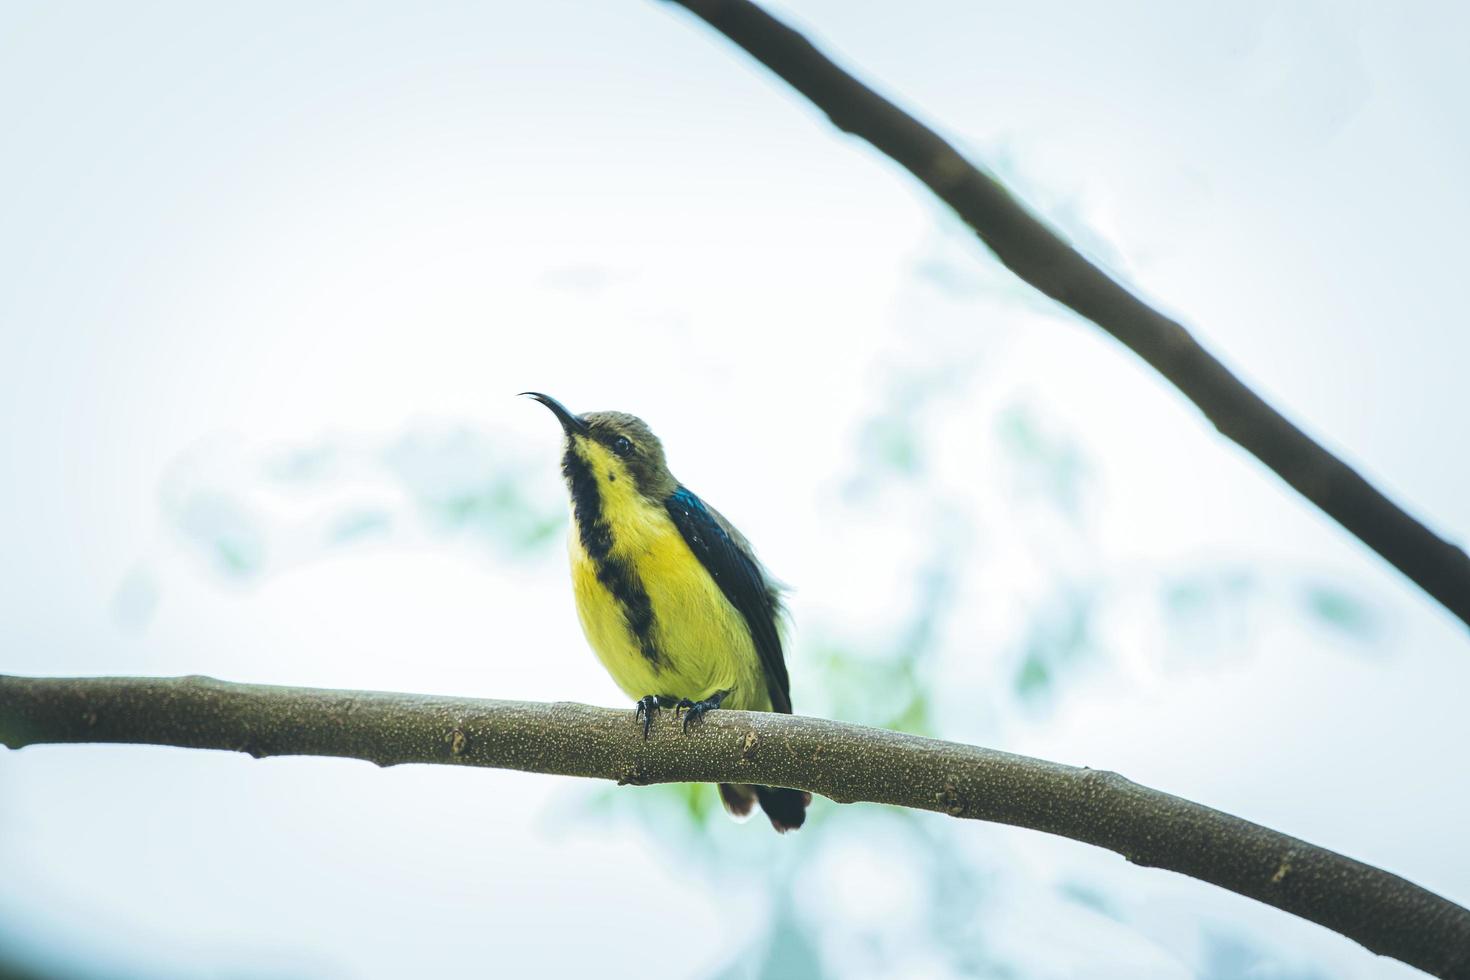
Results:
846 763
1039 256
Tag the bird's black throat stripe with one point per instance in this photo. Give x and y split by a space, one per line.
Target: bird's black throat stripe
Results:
619 577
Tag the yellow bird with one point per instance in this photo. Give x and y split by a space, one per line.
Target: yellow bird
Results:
670 595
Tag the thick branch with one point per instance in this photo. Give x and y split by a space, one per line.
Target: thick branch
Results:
846 763
1039 256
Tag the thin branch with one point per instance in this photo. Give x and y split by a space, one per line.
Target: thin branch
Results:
846 763
1039 256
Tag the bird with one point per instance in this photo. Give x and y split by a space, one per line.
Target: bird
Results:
670 595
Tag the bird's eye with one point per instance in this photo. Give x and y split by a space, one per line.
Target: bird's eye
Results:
622 446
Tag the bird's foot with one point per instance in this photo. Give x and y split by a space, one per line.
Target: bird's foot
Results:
694 711
648 707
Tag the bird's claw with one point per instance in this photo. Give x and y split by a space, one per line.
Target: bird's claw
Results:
694 711
648 707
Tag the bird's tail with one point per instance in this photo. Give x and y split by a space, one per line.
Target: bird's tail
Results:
786 808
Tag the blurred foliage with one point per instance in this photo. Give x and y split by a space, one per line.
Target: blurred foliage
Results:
1057 638
461 483
245 513
1190 595
1001 584
1231 957
1340 610
228 534
789 954
1046 466
898 677
890 444
1089 897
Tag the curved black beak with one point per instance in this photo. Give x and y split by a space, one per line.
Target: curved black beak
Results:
570 424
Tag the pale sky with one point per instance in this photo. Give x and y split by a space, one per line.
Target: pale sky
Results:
239 236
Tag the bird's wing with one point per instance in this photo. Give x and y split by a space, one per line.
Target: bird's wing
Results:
727 556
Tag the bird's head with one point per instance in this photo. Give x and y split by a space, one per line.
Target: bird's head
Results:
616 449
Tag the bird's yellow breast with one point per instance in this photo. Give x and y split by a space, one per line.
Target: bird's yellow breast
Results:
701 642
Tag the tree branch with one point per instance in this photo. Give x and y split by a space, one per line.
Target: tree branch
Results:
846 763
1039 256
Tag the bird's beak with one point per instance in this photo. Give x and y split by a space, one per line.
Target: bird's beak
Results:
570 423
